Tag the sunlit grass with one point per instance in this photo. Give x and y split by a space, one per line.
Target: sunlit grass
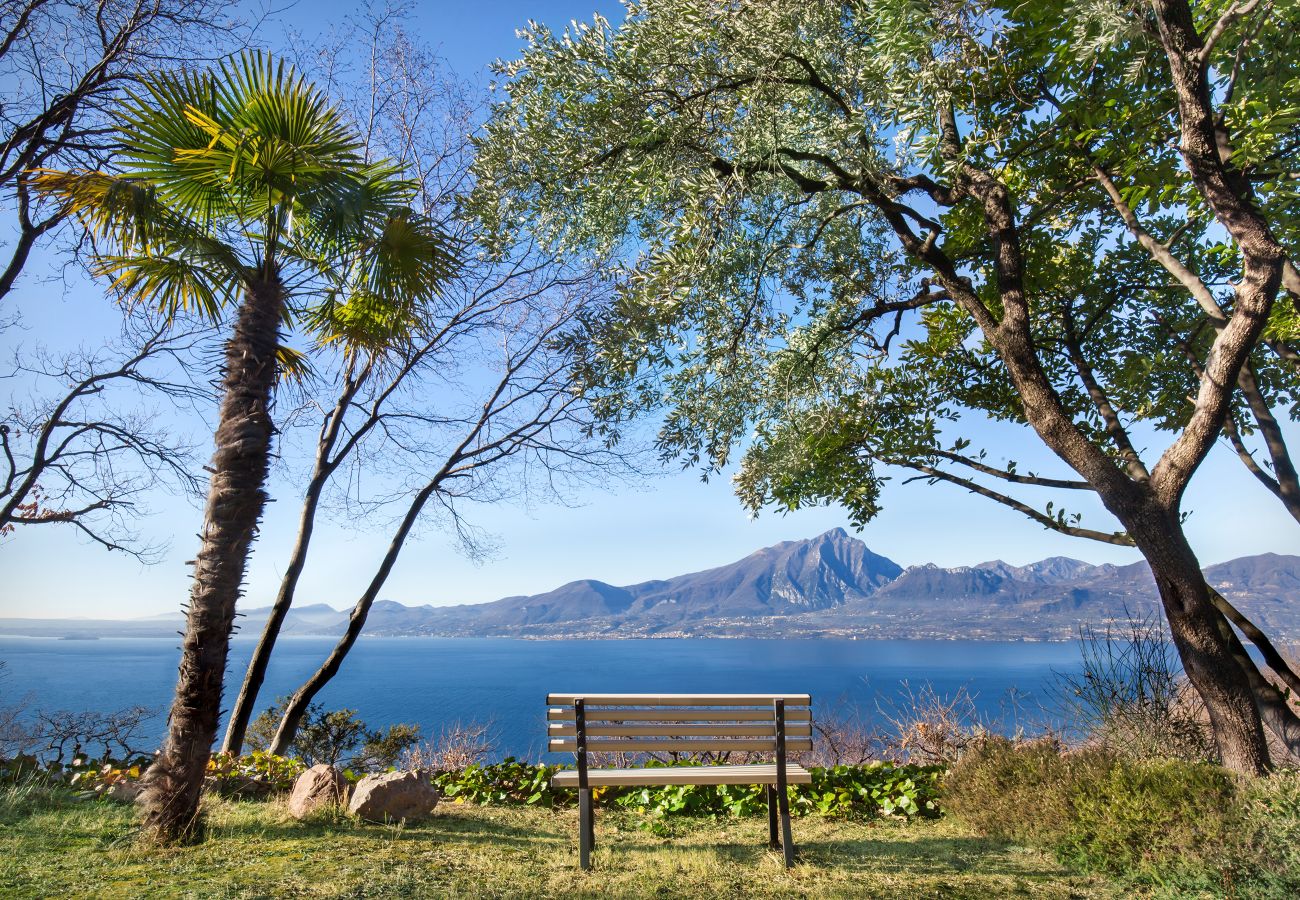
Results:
257 850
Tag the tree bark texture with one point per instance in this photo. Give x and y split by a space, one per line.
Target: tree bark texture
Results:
242 712
236 499
1198 631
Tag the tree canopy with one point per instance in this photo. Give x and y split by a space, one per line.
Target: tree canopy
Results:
772 194
846 226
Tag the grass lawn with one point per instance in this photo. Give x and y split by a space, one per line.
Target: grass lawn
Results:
86 849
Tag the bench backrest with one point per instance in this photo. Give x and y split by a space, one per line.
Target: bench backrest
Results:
682 723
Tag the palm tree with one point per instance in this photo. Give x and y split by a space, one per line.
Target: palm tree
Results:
243 184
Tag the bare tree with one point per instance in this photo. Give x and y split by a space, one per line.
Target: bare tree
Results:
63 64
479 406
88 433
531 427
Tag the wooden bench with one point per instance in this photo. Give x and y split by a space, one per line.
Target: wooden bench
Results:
682 723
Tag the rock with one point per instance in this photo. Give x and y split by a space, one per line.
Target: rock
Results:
318 787
124 791
394 796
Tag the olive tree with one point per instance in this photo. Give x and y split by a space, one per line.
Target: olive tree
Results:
851 229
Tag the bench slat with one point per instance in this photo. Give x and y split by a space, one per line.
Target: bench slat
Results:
668 729
664 745
679 699
749 774
566 714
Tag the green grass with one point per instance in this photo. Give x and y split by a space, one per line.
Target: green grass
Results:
87 849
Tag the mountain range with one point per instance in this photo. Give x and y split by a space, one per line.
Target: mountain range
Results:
830 585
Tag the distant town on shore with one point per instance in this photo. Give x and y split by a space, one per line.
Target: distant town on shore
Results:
828 586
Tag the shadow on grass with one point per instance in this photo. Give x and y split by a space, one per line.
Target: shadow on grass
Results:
926 856
922 856
442 827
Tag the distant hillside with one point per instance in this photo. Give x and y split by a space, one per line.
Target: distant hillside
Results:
830 585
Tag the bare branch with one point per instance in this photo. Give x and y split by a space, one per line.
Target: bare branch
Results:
930 473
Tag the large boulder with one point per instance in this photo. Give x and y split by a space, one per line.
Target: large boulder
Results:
318 787
394 796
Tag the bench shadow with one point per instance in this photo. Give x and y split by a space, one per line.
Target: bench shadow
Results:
936 856
922 856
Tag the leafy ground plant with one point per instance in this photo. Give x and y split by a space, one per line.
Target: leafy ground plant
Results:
866 790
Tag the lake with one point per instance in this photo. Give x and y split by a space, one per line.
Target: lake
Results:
434 682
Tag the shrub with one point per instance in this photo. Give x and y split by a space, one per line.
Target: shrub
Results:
1131 697
877 789
508 783
1191 825
235 774
98 778
456 747
1013 791
1150 817
1265 861
329 736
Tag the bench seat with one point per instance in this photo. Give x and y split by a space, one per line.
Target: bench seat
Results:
664 775
583 724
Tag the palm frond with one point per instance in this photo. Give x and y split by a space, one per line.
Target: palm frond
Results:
294 364
251 154
394 275
168 282
153 253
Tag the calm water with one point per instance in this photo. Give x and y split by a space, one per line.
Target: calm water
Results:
438 681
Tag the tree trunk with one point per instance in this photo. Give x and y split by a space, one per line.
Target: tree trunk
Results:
303 697
236 499
242 712
1277 716
1207 657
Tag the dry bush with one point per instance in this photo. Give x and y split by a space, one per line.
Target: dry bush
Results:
924 726
457 746
843 737
1131 697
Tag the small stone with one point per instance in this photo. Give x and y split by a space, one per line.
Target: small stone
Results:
124 791
318 787
394 796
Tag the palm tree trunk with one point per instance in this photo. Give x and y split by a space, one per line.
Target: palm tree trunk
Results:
242 712
303 697
236 499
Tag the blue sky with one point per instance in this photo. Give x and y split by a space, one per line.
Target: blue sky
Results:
623 534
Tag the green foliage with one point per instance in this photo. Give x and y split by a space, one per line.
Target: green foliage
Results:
1014 791
277 773
97 778
1148 816
335 737
382 749
768 174
878 789
246 173
327 735
509 782
1265 859
1170 822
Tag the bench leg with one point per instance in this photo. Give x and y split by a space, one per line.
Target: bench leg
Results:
585 829
773 839
787 842
591 821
